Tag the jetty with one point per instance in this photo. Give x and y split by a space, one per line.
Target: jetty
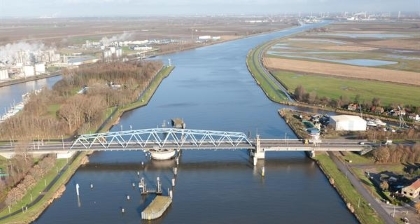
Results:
156 208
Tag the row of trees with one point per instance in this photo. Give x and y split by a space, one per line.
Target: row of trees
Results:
300 94
374 134
20 188
397 154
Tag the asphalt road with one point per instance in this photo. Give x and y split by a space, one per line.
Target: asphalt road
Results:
362 190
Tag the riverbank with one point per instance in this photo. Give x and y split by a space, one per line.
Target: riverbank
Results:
28 79
27 214
356 203
278 92
273 91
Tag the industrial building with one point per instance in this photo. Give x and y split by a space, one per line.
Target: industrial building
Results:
4 74
347 123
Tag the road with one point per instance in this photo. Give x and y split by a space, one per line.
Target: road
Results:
362 190
257 57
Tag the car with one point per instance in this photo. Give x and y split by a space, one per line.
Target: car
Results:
405 220
361 143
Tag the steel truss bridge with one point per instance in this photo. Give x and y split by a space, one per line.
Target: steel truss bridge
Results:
161 139
158 139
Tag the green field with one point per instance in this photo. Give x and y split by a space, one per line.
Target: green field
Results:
333 87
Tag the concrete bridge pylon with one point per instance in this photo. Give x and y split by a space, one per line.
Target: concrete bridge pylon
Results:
258 152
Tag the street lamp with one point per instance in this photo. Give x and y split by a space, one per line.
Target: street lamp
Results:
62 141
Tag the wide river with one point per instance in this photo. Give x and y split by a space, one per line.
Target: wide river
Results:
212 89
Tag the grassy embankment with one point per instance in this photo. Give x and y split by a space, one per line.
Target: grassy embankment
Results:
362 210
364 213
261 77
34 211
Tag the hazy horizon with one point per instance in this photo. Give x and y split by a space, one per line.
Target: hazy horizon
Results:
104 8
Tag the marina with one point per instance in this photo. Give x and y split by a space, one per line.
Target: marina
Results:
16 108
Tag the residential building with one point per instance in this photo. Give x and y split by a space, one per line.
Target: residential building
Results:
413 190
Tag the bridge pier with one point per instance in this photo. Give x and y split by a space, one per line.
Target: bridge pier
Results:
311 154
258 152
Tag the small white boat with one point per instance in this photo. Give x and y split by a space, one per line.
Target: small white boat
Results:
162 154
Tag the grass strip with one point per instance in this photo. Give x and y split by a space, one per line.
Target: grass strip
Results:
261 76
364 213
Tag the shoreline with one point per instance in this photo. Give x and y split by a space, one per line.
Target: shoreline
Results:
358 206
29 79
269 88
58 73
80 158
57 187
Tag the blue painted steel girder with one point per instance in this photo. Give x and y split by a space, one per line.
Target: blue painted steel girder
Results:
161 137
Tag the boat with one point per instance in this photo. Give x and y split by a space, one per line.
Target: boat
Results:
162 154
165 154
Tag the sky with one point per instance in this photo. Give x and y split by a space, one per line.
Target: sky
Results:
89 8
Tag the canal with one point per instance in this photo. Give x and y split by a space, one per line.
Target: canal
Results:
210 88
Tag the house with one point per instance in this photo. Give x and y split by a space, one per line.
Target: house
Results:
413 190
376 109
414 116
352 106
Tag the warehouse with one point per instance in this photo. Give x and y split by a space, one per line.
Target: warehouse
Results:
347 123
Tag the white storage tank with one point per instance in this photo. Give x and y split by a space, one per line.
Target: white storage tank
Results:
29 70
39 68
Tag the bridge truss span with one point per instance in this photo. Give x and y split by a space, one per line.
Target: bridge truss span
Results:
163 138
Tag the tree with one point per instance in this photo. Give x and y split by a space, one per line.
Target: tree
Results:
357 98
417 206
299 93
384 185
312 97
376 102
381 155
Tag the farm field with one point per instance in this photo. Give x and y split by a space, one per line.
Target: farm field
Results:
369 59
62 32
334 87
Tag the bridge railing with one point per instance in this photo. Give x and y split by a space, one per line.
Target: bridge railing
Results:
162 137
